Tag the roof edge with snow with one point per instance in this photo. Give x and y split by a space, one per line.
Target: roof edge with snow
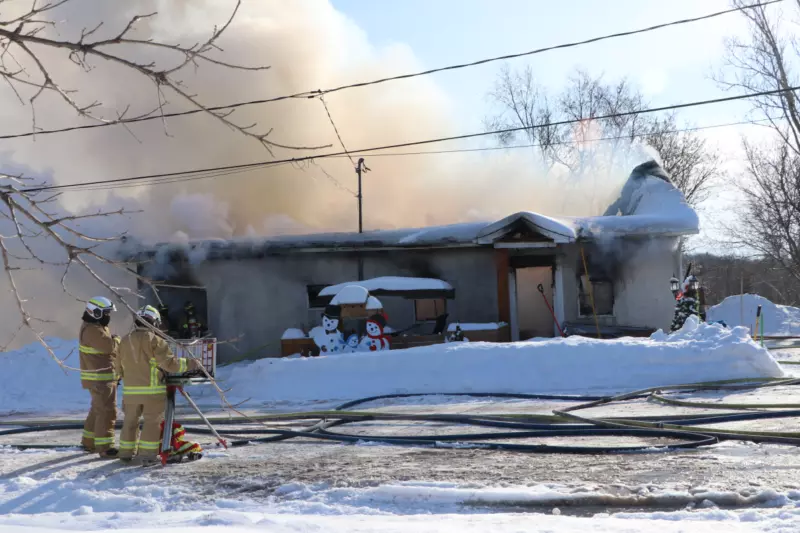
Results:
470 234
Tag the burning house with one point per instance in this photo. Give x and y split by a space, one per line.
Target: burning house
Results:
527 275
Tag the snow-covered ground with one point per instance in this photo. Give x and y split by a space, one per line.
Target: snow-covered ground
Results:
779 320
301 486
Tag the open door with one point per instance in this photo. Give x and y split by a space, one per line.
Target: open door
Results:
533 317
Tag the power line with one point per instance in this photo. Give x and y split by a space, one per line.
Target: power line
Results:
321 92
334 180
325 105
570 141
398 154
247 166
338 136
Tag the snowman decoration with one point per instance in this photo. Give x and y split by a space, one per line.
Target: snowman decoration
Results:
331 341
351 344
375 340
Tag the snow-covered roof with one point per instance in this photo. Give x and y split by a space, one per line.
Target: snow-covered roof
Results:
555 229
391 283
648 206
559 230
373 304
411 288
350 294
484 326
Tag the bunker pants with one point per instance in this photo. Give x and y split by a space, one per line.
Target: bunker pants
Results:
151 410
98 429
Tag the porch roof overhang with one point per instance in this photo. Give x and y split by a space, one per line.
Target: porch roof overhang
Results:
405 287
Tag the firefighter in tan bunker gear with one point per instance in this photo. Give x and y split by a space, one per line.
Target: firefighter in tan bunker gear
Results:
98 348
143 355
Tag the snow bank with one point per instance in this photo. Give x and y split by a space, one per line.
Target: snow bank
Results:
779 320
698 352
34 382
391 283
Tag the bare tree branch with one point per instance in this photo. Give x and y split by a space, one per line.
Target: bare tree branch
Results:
23 32
588 161
769 216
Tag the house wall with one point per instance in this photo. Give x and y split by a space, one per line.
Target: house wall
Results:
256 300
641 286
643 289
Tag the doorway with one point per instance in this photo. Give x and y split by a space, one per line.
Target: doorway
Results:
533 317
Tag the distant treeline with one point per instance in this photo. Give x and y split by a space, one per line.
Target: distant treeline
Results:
723 276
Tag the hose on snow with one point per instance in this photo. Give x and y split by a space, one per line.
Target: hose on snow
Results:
562 423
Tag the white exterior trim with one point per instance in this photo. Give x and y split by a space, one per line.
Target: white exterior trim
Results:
558 295
512 303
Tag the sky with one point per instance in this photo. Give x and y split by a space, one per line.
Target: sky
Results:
669 66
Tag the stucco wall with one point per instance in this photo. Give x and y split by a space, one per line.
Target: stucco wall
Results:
641 285
642 293
255 300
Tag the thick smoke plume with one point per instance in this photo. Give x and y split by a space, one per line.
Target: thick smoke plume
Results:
308 45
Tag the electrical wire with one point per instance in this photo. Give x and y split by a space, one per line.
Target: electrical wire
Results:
338 136
260 164
427 152
321 92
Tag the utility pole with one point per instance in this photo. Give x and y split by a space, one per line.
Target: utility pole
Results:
361 167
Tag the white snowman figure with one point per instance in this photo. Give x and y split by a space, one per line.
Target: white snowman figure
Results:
351 345
332 341
375 340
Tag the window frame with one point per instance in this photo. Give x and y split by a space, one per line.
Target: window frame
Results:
309 289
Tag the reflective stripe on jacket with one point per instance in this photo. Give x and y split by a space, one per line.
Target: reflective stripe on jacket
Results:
97 352
142 357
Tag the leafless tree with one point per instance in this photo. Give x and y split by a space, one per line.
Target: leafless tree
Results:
769 217
30 214
595 147
727 275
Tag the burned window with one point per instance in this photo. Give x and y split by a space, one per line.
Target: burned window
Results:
314 300
595 285
429 309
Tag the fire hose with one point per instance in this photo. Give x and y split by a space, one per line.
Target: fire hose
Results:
690 431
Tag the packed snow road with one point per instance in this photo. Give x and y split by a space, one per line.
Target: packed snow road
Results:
311 485
300 485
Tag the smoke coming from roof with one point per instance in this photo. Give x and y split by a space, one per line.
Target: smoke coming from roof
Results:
308 45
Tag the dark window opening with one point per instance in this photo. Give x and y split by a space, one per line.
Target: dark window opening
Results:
314 300
429 309
595 286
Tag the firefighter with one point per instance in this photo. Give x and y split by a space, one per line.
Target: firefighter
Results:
143 356
191 327
166 323
98 348
687 304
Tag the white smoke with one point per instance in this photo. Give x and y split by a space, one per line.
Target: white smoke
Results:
308 45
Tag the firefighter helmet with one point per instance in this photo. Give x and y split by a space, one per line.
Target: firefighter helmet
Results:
100 305
151 313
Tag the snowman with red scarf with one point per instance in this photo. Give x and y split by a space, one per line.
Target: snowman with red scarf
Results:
376 340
